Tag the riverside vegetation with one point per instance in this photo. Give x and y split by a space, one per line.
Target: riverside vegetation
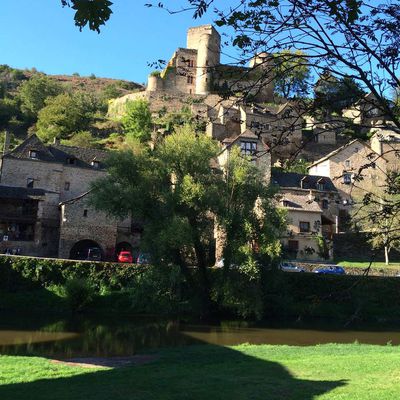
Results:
63 286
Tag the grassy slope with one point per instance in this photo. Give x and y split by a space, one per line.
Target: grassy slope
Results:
211 372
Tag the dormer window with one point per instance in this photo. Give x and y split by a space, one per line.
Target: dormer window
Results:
95 164
285 203
71 161
33 154
248 148
30 182
320 185
304 183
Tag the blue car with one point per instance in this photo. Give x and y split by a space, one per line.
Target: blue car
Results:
331 270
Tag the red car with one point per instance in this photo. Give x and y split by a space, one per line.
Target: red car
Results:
125 257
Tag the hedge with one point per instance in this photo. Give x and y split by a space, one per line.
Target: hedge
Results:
161 290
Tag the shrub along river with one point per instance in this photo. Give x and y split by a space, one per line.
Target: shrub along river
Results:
111 337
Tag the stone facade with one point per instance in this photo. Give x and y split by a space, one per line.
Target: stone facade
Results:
43 197
311 205
355 169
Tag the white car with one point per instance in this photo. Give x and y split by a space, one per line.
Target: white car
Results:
289 267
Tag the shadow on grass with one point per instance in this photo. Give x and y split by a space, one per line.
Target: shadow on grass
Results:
196 372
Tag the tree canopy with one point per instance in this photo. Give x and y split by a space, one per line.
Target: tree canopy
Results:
34 92
136 122
181 198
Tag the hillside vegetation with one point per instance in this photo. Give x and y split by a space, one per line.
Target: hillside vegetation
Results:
70 108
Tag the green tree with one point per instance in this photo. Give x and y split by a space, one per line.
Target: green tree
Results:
9 108
180 198
65 114
333 94
378 213
82 139
137 122
34 92
292 74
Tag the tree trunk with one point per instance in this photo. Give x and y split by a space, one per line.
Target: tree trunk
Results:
387 250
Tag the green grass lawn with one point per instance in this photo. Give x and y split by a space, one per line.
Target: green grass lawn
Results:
210 372
365 264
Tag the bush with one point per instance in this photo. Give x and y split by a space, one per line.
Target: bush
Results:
79 293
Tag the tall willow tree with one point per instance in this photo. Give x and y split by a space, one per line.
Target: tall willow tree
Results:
180 197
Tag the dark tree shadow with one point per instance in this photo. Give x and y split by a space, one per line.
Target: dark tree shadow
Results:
195 373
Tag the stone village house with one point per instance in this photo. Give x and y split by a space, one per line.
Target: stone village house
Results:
355 169
311 202
311 205
43 203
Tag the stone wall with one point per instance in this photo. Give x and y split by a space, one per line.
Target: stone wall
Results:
80 222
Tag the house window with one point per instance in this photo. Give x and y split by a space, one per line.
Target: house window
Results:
346 178
66 186
293 245
190 79
320 186
248 148
33 154
71 161
347 164
304 226
95 164
286 203
85 213
30 182
254 124
325 204
191 63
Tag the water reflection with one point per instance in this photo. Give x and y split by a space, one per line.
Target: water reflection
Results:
80 337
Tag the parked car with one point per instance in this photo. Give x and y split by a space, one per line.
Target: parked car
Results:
125 257
143 258
289 267
331 270
94 254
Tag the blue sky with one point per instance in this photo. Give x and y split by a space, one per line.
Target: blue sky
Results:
42 34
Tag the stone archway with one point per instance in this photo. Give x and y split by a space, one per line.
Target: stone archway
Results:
80 250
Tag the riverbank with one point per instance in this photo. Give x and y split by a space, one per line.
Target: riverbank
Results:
200 372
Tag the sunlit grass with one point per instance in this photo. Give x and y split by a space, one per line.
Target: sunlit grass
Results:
212 372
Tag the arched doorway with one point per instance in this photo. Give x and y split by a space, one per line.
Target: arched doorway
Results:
86 250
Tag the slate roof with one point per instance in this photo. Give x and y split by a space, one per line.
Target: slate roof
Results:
11 192
31 143
58 153
247 134
299 202
294 180
83 156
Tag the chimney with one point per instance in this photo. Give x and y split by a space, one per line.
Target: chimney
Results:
7 140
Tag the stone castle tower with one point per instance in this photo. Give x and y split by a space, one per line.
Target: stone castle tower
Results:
207 42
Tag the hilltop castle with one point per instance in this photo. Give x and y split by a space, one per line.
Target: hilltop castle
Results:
197 69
